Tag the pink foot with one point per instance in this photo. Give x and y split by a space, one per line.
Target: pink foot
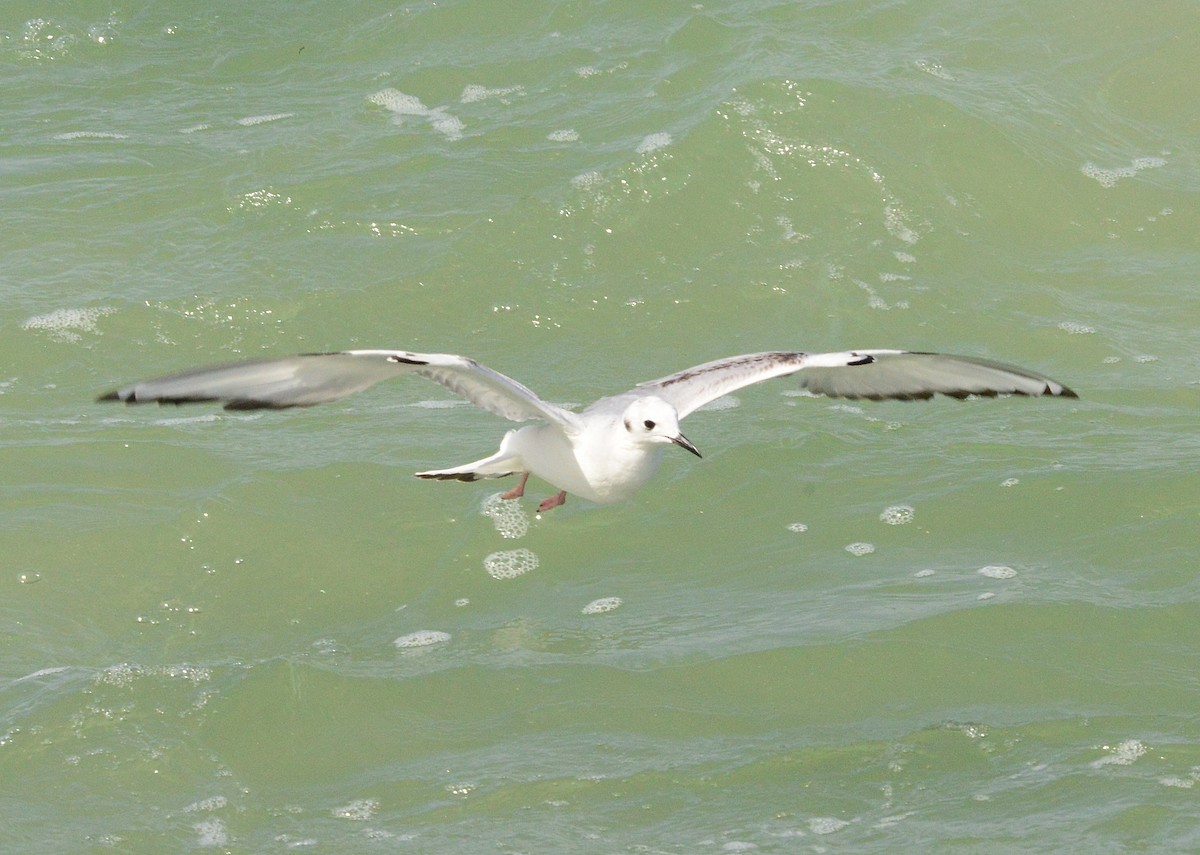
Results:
553 502
517 491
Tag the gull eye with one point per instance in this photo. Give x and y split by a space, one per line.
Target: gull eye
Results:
649 424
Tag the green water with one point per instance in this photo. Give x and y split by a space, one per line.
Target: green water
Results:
198 610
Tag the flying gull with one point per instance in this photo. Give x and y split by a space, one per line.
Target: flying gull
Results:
610 450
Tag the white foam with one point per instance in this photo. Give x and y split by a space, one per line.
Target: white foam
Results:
1108 177
508 517
211 832
653 142
1123 753
898 515
359 810
860 548
422 638
826 824
90 135
924 574
510 564
1010 482
1076 328
563 135
602 605
262 120
797 527
997 571
63 324
402 104
207 805
473 92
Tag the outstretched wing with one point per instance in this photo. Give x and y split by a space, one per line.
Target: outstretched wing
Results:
314 378
871 374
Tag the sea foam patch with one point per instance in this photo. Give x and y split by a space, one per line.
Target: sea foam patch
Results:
66 324
402 104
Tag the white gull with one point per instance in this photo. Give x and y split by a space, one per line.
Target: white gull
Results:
609 451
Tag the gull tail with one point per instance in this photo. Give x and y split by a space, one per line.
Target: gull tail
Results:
499 465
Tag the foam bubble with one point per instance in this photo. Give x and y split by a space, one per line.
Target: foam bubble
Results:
986 595
587 180
211 832
1123 753
898 514
474 92
61 324
1108 177
826 824
860 548
507 515
797 527
1075 328
90 135
923 574
207 805
402 104
421 638
563 135
653 142
602 605
510 564
997 571
262 120
359 810
1010 482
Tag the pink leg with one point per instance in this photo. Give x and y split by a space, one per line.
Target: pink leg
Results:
517 491
554 501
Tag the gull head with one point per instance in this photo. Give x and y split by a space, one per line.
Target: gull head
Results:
652 420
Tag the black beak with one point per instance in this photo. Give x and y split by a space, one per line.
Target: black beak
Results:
683 442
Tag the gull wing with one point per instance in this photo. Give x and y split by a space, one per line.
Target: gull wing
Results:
314 378
872 374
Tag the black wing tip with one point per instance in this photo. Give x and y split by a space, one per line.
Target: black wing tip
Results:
404 360
110 396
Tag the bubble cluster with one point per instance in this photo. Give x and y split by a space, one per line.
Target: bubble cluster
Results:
826 824
653 142
860 548
563 135
421 638
507 515
402 105
248 121
602 605
473 92
1123 753
61 324
211 833
997 571
1075 328
898 514
359 810
797 527
1108 178
1010 482
510 564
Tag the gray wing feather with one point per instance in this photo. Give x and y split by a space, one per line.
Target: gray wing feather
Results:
870 374
315 378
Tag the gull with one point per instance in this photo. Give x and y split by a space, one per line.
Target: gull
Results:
610 450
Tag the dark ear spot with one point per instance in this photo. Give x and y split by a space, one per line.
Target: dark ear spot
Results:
649 424
628 426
